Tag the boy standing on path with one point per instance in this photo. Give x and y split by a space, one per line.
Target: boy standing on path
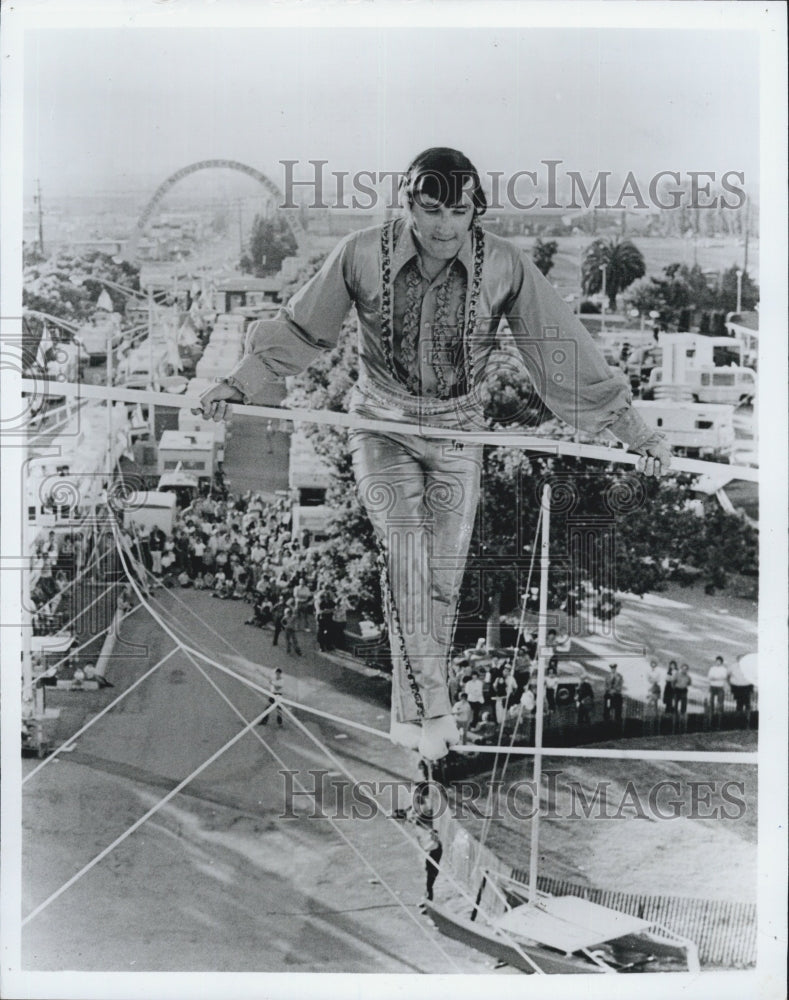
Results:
276 694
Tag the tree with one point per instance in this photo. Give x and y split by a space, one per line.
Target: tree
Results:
543 253
623 263
270 242
727 293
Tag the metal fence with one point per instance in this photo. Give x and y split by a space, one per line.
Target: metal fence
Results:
723 930
562 726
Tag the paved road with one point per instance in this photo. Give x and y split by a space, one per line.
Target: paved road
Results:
256 458
217 879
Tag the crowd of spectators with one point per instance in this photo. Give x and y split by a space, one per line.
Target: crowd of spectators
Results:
54 565
494 691
244 549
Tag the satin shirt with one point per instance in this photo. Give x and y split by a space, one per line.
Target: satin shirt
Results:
569 372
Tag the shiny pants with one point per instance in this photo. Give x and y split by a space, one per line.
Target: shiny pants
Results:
421 496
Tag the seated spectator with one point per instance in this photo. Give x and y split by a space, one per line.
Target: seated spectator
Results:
484 731
125 599
529 699
262 613
222 586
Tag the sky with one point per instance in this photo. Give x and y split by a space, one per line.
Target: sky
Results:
110 108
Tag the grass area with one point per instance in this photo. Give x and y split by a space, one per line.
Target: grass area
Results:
655 827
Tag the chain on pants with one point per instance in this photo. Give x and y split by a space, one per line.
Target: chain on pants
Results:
421 496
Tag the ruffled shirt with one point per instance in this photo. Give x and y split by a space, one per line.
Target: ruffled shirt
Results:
434 354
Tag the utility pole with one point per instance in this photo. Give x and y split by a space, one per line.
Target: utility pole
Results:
37 202
747 233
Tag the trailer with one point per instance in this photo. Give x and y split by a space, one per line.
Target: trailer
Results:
693 429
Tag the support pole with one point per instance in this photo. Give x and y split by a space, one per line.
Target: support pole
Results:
542 630
110 432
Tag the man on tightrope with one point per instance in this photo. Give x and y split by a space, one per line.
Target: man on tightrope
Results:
430 291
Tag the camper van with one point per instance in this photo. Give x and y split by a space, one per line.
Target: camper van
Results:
194 453
698 430
730 386
309 478
152 508
190 423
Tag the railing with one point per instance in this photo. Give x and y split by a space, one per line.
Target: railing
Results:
723 930
562 726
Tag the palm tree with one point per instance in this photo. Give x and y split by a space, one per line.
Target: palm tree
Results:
623 263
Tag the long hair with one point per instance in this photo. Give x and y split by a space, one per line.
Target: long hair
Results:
443 175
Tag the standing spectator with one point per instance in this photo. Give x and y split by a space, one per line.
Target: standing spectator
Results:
475 693
585 698
521 666
463 714
614 683
433 852
741 688
324 625
652 709
668 687
499 693
45 577
551 683
653 677
65 560
453 680
276 694
289 628
78 554
340 620
196 555
511 686
156 541
277 616
718 677
168 558
51 548
681 685
302 597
